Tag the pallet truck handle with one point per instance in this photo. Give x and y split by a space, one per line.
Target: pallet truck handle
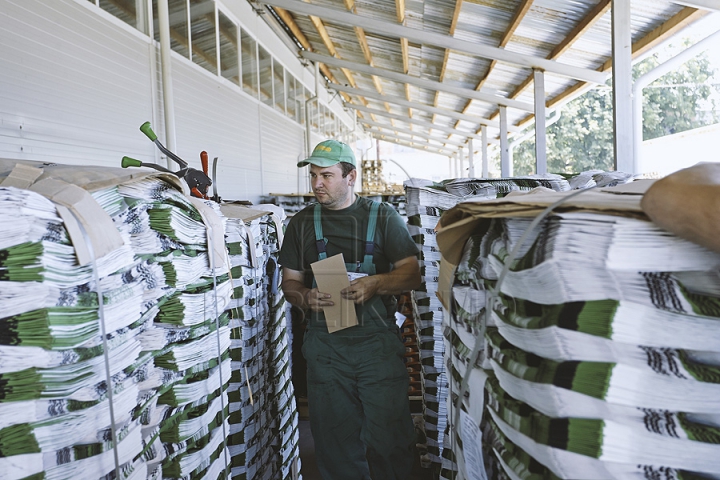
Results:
148 131
130 162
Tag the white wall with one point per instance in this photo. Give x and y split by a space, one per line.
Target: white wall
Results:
77 83
73 88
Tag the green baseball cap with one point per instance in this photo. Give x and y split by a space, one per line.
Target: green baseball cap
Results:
328 153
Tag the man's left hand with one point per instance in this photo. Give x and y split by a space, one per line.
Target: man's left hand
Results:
362 289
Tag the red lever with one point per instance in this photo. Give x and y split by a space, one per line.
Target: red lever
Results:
197 193
204 161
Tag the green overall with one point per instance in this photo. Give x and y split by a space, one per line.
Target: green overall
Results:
357 391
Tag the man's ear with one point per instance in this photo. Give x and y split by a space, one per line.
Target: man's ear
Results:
352 176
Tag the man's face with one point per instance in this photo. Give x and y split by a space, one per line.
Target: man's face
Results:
330 188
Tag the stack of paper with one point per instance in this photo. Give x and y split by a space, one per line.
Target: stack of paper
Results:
468 187
599 178
426 201
601 353
54 360
264 431
186 406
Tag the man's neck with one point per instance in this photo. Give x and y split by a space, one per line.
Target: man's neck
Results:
350 200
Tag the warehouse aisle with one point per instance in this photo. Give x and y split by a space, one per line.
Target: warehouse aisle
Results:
309 468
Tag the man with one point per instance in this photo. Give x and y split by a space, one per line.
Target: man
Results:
687 203
357 380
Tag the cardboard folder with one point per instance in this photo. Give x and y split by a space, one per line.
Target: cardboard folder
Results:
331 277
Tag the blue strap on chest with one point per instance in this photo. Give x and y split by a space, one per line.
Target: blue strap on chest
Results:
319 237
369 238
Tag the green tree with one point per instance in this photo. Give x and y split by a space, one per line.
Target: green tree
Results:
583 138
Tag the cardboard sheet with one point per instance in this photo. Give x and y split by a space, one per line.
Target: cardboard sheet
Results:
22 176
93 177
215 234
331 277
80 207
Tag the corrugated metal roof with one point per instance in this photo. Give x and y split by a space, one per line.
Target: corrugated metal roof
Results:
543 27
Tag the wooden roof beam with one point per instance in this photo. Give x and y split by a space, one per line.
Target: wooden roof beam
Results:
362 40
404 48
288 19
451 32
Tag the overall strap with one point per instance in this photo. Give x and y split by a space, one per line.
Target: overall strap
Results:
319 238
370 238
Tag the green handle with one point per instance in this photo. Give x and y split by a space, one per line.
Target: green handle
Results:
130 162
148 131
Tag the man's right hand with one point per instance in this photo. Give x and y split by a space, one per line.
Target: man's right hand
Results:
316 300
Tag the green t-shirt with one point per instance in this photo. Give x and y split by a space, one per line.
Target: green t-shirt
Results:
345 232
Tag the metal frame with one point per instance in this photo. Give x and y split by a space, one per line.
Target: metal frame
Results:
393 30
418 82
405 142
421 106
413 121
423 135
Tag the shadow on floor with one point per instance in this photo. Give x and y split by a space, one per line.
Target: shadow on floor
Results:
309 468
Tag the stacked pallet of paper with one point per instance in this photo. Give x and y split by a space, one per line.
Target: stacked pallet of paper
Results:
160 339
426 201
55 417
90 388
263 420
602 351
185 399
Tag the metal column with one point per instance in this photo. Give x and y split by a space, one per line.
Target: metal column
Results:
485 172
461 163
168 98
540 127
471 159
622 86
141 16
505 167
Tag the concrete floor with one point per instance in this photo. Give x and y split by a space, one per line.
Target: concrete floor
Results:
309 468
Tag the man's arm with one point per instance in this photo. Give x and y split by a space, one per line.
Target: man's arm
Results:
295 291
404 276
687 203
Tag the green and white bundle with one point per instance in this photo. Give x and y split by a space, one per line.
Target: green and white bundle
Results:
196 304
602 349
596 330
660 439
160 335
669 379
263 414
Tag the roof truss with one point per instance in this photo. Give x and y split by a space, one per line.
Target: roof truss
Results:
415 121
424 37
420 82
421 106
